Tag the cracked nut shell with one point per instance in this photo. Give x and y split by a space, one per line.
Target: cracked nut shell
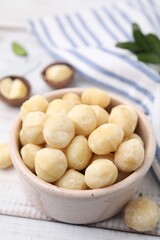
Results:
16 101
64 80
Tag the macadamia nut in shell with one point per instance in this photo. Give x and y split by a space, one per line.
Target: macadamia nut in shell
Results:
13 89
50 164
58 73
105 139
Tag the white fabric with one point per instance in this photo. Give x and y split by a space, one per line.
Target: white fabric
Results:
87 40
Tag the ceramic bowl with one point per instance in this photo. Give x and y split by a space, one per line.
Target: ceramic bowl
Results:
83 206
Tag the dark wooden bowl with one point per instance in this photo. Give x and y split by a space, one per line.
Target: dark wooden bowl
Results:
60 84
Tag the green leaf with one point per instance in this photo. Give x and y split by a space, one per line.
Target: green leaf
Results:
135 27
153 42
149 58
146 47
132 46
140 38
19 49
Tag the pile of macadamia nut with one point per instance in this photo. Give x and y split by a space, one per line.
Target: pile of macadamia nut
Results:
75 143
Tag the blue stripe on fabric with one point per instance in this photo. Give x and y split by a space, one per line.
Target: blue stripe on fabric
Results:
130 3
113 75
116 23
88 30
104 25
91 79
65 33
39 38
140 66
80 36
153 6
123 14
144 12
123 79
43 25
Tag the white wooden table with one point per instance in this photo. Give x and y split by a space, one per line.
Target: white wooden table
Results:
13 16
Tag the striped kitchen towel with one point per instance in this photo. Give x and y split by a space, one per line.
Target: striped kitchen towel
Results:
87 40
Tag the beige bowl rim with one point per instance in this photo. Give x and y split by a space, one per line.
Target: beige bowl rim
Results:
113 189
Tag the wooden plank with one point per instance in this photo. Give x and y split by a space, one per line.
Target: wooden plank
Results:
26 229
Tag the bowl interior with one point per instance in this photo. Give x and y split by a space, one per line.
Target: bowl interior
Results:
144 129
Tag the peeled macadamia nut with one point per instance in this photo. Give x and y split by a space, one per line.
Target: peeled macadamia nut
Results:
18 90
32 127
22 138
58 131
129 155
78 153
13 89
95 96
28 153
141 214
125 117
59 106
5 159
58 73
134 136
34 104
109 156
105 139
50 164
72 179
101 115
72 98
101 173
83 118
5 87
